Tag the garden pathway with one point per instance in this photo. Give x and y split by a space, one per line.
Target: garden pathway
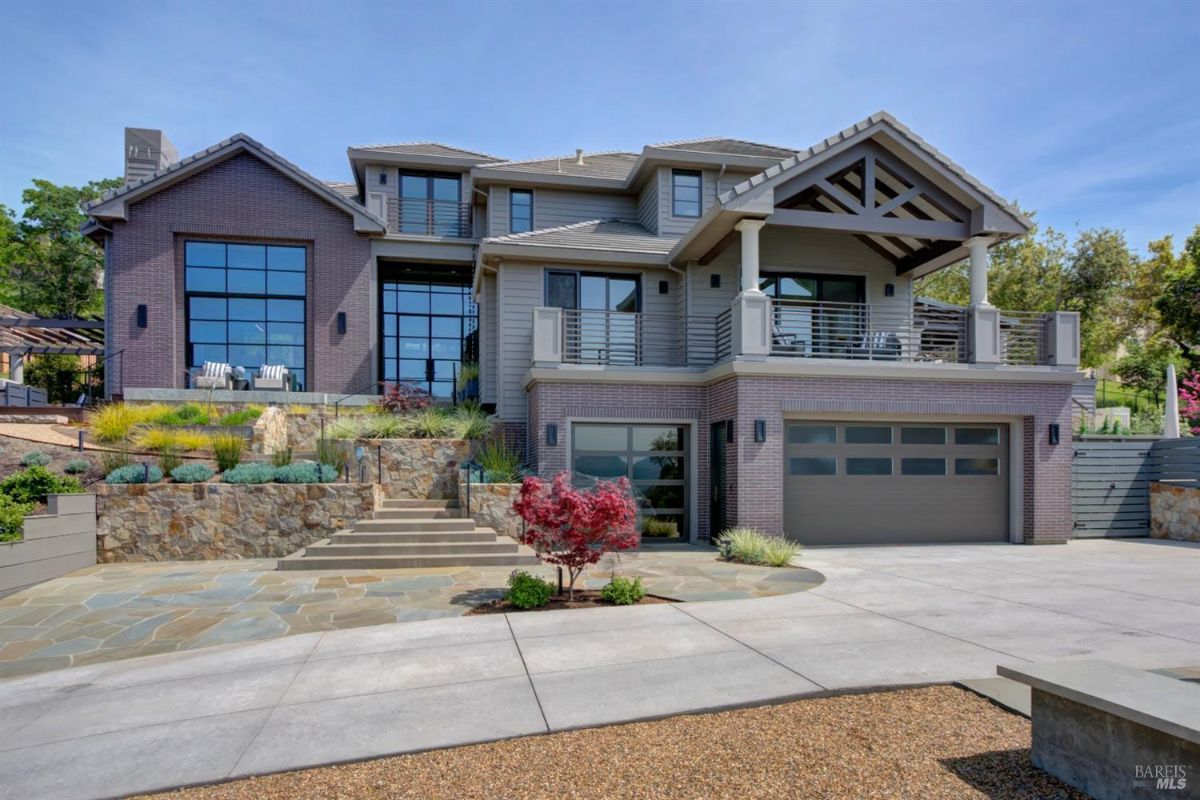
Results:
115 611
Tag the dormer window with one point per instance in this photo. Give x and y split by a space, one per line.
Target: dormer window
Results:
520 210
685 192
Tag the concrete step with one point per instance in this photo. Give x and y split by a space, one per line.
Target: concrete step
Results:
406 502
414 525
449 537
418 513
504 545
523 557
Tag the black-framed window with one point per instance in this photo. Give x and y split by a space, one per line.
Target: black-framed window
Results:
520 210
594 291
431 204
603 328
245 305
430 326
813 286
686 197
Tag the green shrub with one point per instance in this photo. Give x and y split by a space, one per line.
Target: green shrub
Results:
334 453
528 591
751 547
227 448
35 458
77 466
281 457
623 592
33 484
244 417
168 459
134 473
12 518
114 422
306 472
664 528
468 372
114 459
501 463
187 414
191 473
468 421
252 472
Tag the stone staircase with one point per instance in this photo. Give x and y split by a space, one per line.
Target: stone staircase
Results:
411 534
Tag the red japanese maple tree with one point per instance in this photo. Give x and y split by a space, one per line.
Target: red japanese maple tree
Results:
573 528
1189 401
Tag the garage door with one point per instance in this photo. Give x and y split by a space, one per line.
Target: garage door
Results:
892 482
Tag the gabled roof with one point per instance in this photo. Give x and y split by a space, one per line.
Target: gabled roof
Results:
726 146
613 165
112 204
797 161
347 190
425 149
594 234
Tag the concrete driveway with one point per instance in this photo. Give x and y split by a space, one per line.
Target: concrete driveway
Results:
884 617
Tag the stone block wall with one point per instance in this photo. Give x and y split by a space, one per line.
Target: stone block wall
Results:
413 468
270 431
202 521
491 506
1174 512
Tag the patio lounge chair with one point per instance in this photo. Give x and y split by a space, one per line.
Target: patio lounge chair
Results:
880 345
274 377
214 375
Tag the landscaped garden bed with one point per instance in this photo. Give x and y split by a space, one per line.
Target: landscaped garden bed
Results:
584 598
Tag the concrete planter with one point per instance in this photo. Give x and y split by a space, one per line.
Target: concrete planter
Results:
412 468
1174 512
202 521
53 544
491 506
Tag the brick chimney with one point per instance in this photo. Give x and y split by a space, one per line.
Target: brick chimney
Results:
146 151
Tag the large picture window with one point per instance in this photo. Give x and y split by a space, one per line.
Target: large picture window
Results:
245 305
430 326
652 457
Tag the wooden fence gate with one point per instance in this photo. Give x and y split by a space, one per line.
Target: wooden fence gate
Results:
1111 476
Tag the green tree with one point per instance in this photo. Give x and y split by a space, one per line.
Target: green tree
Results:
1144 366
1178 304
1099 272
50 269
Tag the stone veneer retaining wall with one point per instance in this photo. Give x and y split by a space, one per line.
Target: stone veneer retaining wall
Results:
754 471
1174 512
270 431
491 506
201 521
413 468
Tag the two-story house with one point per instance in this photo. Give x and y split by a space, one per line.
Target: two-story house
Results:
730 325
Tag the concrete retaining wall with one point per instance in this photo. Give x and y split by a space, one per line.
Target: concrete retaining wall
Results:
1174 512
60 541
202 521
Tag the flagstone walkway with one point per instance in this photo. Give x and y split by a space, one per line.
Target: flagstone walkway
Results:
115 611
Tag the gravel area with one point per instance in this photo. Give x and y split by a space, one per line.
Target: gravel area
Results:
936 742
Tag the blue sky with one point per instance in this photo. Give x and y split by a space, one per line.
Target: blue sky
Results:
1086 112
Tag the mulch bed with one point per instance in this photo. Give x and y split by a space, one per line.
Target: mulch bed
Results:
584 598
932 743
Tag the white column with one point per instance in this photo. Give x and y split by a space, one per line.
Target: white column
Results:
979 267
16 367
749 229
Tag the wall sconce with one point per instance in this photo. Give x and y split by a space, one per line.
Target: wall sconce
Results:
889 290
142 316
1054 433
663 287
552 435
714 280
760 430
341 323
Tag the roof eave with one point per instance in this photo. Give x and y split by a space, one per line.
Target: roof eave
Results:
578 255
657 156
482 176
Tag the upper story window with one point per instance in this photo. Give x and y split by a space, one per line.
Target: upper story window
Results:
520 210
685 192
431 204
594 291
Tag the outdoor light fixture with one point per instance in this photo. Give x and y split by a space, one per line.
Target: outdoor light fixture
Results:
714 281
663 287
552 435
141 316
1053 433
889 290
760 430
341 323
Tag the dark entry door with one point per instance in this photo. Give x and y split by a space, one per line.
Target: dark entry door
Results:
430 326
716 471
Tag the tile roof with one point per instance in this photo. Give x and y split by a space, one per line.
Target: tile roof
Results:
426 149
856 129
614 165
594 234
347 190
733 147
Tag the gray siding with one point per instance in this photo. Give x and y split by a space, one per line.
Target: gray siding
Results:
553 208
487 327
677 226
647 206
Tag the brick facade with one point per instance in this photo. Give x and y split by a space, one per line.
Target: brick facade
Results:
240 199
754 472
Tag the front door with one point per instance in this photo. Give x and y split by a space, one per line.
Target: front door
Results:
716 471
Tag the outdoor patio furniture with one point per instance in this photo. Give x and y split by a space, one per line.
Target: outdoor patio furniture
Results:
880 345
273 377
214 375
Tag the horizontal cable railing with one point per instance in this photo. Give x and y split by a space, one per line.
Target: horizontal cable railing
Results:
620 338
724 334
818 329
432 217
1022 338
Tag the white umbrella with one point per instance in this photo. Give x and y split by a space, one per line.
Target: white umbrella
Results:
1171 414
